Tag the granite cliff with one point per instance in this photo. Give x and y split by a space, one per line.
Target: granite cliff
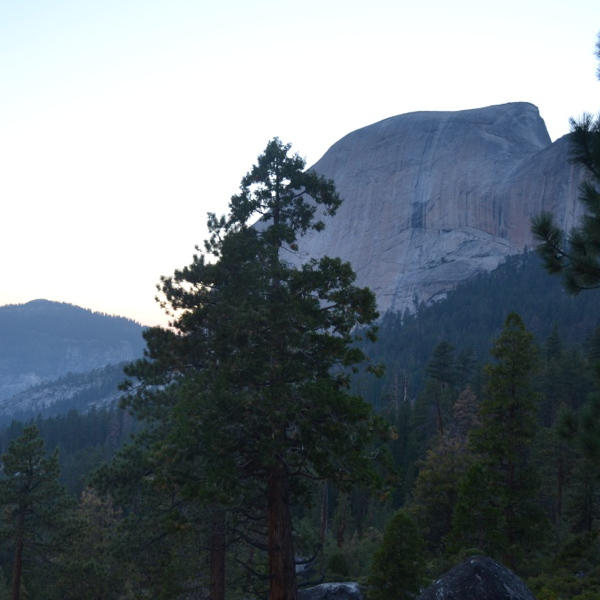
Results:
433 198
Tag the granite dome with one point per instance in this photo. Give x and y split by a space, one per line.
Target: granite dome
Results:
433 198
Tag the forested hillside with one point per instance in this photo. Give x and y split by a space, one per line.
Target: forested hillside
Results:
471 317
438 391
84 440
431 456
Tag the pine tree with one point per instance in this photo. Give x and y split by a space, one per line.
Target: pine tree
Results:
398 566
436 489
434 404
90 570
502 477
441 373
165 535
577 255
35 505
249 387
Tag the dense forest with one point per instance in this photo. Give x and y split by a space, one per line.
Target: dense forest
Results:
471 317
339 532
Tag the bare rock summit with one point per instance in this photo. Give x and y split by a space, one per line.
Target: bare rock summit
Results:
434 198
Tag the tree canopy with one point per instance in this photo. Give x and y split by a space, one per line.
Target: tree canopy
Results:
247 393
576 255
33 501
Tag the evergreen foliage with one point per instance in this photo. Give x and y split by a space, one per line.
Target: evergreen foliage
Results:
468 319
436 490
90 570
84 441
577 255
34 507
246 396
398 567
502 479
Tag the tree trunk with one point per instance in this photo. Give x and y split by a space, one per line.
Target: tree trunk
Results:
217 557
559 486
324 512
282 563
18 564
341 532
440 422
508 556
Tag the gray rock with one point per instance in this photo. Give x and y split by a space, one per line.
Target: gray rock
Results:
433 198
478 578
332 591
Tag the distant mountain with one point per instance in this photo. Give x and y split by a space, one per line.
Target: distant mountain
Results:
42 341
434 198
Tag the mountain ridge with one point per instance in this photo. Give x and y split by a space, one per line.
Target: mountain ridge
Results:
43 340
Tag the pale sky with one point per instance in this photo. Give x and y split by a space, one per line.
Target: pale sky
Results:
123 122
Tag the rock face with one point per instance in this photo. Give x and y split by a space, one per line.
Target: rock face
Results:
433 198
79 391
478 578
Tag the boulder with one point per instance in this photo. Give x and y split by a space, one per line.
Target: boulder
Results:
332 591
478 578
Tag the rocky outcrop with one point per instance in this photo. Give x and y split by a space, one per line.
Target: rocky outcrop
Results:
478 578
79 391
433 198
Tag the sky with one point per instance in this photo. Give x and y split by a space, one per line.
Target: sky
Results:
123 122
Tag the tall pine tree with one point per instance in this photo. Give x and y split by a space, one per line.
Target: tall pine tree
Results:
250 383
497 500
34 504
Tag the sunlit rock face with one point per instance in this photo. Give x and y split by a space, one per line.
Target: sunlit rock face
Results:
433 198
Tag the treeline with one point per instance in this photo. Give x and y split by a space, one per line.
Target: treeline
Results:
83 440
63 320
471 317
434 394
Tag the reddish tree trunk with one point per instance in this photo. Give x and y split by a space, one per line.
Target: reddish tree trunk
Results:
217 557
324 511
18 564
559 486
508 557
282 564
